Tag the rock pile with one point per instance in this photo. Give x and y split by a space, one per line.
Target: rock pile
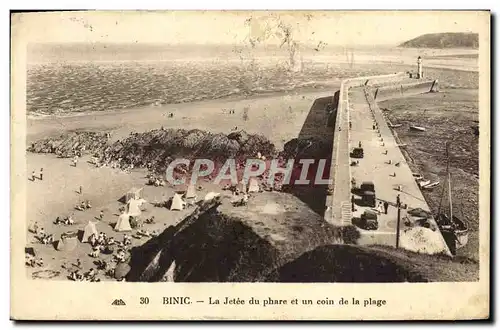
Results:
422 240
157 148
71 144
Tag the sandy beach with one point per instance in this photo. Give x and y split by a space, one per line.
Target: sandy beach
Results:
278 117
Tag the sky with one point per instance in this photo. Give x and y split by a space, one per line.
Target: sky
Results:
217 27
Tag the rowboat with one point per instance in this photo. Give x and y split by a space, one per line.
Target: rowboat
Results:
417 128
424 183
430 185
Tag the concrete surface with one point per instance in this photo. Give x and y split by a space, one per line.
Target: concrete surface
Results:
362 111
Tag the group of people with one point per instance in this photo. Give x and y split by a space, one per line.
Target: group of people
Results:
101 243
41 235
84 205
155 181
90 276
40 175
32 261
66 221
145 233
382 207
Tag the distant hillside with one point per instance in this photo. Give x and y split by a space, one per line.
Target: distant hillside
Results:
443 40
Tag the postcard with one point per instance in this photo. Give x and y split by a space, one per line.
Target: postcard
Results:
250 165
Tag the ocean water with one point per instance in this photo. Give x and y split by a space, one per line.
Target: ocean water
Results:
75 79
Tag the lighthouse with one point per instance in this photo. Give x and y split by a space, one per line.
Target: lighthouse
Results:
420 74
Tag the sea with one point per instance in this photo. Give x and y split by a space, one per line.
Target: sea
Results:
64 79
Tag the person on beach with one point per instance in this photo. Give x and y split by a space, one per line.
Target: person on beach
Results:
41 173
80 190
101 215
398 201
33 176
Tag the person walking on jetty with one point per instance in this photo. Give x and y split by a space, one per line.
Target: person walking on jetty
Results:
386 207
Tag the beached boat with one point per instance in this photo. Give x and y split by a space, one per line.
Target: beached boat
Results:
430 185
395 125
423 183
418 176
417 128
455 231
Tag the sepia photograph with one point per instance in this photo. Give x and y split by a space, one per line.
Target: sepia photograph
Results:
251 147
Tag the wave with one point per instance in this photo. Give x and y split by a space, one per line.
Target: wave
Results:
69 88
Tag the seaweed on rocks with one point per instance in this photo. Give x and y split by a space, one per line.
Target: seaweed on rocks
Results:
157 148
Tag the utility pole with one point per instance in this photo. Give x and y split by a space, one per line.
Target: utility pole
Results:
397 226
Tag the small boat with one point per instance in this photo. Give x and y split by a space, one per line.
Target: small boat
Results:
430 185
424 183
417 128
455 231
418 176
402 145
396 125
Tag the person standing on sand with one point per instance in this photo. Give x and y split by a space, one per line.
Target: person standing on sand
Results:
33 176
41 174
101 215
386 207
81 190
398 201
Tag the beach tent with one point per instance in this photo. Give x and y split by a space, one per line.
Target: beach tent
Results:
123 223
211 195
191 192
67 242
60 245
134 193
177 203
134 207
253 186
241 187
88 231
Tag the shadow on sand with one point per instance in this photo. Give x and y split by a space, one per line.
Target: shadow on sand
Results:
315 141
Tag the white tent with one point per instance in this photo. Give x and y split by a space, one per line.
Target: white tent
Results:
211 195
253 185
134 193
134 207
67 242
241 187
191 192
88 231
177 203
123 223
